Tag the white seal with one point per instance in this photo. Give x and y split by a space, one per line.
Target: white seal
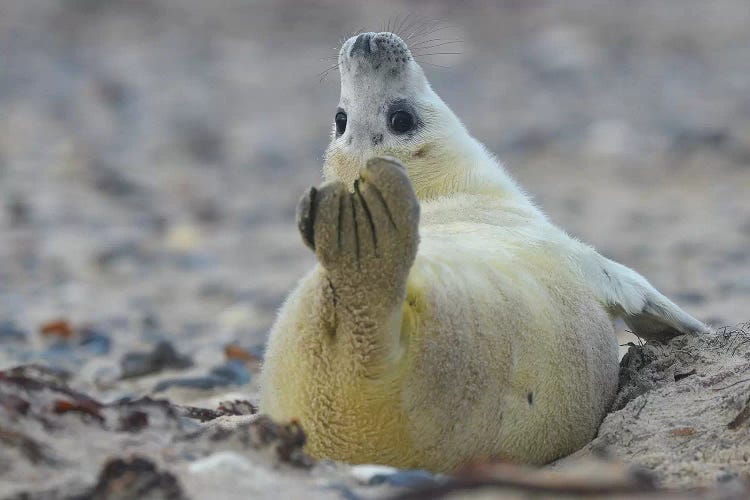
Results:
447 320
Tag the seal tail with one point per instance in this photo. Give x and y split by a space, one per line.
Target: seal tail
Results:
629 296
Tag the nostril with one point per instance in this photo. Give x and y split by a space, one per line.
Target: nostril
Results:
362 43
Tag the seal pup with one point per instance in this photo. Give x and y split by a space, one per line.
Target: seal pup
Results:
473 329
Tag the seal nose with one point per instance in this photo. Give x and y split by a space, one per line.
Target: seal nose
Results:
361 44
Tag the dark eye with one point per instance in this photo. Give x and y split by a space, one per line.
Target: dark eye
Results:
340 122
401 122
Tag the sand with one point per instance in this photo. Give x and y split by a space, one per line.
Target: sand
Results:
152 153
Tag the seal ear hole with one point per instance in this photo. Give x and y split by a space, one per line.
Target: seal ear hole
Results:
340 120
530 398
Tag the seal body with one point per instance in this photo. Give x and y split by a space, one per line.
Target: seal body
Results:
447 320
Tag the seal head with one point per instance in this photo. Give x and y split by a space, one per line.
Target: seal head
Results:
387 108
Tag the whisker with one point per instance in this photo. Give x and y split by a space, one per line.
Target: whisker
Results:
325 72
432 31
421 47
404 22
346 36
439 54
427 27
411 25
412 29
418 42
431 64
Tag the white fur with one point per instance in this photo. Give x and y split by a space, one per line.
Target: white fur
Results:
499 341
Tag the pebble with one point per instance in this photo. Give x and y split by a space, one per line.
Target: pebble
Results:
381 474
203 382
225 461
234 371
126 251
182 238
194 261
19 211
405 479
164 356
95 342
135 477
229 373
10 332
111 181
238 407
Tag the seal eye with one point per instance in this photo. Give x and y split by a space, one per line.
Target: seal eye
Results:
340 123
401 122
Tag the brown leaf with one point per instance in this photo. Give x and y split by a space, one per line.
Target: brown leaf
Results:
85 407
235 352
58 328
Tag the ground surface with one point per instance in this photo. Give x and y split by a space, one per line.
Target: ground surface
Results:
152 152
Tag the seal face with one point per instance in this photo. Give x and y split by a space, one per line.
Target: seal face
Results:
447 319
385 100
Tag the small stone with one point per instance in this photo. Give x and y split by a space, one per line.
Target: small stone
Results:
112 181
134 421
182 238
233 371
95 342
194 261
38 374
203 383
237 407
10 332
135 477
164 356
14 405
379 474
19 211
118 253
200 414
59 354
222 461
230 373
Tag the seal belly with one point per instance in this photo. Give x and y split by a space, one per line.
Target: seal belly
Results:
504 362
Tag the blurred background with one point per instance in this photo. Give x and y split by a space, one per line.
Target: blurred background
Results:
152 151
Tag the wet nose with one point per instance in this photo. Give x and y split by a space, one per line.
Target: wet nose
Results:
362 45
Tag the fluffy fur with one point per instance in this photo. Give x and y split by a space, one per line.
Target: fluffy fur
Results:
448 320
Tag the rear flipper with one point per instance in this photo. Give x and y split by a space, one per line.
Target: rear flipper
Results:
629 296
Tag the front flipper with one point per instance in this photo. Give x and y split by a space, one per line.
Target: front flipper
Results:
366 241
629 296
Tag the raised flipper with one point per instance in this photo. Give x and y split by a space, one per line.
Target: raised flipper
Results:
629 296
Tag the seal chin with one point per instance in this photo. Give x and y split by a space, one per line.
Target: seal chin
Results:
340 166
380 50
